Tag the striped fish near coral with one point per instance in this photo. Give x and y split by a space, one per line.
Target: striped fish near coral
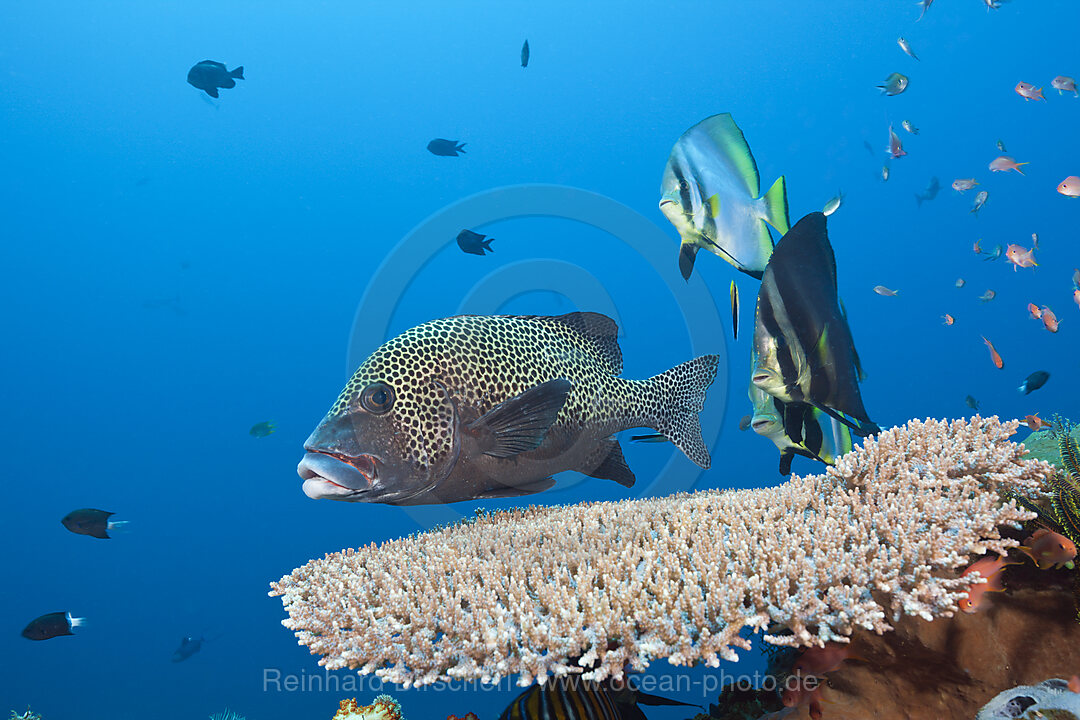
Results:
803 351
710 191
474 407
571 698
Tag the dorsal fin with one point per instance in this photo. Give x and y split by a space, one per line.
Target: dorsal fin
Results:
602 333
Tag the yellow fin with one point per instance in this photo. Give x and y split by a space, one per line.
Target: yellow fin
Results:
714 205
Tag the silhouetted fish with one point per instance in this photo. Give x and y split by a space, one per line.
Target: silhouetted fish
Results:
52 625
445 148
89 521
209 75
1034 381
474 243
188 647
525 55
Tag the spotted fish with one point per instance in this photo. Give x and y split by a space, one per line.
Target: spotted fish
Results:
709 192
473 407
803 347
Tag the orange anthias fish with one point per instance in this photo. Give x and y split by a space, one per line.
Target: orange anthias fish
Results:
1005 163
1035 423
1070 186
1029 91
1049 549
1036 313
978 248
1076 296
948 319
896 148
994 356
1020 257
990 569
1049 319
818 661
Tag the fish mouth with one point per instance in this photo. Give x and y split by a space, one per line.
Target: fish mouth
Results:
666 202
337 477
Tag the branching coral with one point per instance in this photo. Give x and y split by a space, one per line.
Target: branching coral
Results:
384 707
598 587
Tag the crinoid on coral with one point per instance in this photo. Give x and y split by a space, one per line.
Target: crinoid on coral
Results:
598 588
384 707
28 715
227 714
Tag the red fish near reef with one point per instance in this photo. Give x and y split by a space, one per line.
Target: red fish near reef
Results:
1029 91
818 661
1020 257
994 356
947 319
1004 163
1049 549
990 569
1076 296
1035 422
896 148
1049 319
1036 313
1070 186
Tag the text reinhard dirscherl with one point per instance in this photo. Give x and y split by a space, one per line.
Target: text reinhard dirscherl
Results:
275 680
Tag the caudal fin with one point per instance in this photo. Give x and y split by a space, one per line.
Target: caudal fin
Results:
681 393
487 244
776 206
460 147
1018 167
238 73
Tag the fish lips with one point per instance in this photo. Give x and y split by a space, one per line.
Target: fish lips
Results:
338 477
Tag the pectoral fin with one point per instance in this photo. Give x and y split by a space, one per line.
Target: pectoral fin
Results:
687 256
521 423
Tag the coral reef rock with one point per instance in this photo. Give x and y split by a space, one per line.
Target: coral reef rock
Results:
949 668
384 707
1050 699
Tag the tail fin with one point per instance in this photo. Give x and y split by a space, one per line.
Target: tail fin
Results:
776 206
487 244
119 526
682 392
1018 167
460 147
918 200
238 73
76 622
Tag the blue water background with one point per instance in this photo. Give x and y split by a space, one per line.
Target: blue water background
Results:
175 269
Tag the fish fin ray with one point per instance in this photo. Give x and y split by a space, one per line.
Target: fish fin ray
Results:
238 73
601 332
521 423
775 204
613 466
687 256
684 388
212 92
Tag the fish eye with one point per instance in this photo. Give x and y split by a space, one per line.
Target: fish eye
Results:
684 185
377 398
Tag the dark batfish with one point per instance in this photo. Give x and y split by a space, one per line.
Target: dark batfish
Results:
446 148
971 402
930 193
188 647
210 75
474 243
803 345
525 55
571 698
52 625
1034 381
744 422
89 521
474 406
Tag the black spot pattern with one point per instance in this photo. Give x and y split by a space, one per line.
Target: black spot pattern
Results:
478 362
